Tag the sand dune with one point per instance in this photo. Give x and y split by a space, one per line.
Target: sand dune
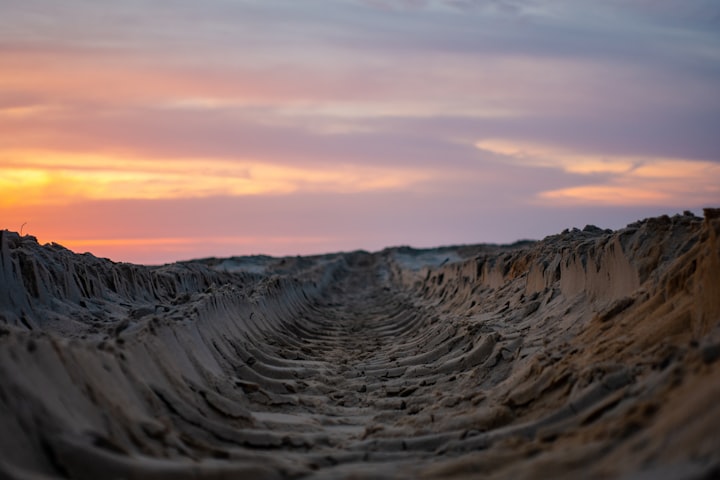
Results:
589 354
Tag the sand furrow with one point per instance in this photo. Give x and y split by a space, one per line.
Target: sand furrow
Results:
591 352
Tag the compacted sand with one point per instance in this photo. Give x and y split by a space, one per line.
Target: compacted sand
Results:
589 354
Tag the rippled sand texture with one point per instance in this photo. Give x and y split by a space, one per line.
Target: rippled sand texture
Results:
590 354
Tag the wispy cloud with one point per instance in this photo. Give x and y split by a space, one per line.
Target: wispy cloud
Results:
616 180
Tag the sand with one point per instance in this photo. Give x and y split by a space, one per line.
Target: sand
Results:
589 354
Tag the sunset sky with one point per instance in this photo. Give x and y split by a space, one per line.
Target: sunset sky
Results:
154 131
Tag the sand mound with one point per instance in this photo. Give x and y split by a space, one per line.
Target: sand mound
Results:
589 354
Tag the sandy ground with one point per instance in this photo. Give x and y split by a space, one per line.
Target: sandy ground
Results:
590 354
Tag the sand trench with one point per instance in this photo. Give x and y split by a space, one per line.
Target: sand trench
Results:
589 354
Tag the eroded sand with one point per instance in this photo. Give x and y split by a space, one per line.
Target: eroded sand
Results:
590 354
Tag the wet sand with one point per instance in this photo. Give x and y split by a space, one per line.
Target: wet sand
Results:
589 354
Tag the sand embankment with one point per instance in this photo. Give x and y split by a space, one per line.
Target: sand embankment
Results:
591 353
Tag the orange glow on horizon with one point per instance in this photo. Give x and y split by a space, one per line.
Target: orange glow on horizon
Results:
155 241
156 250
36 178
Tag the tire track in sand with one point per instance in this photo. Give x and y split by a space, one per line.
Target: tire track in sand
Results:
591 353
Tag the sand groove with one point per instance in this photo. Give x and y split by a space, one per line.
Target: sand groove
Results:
591 352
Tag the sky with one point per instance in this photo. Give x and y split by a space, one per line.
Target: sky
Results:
155 131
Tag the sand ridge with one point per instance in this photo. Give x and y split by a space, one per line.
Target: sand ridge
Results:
590 353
